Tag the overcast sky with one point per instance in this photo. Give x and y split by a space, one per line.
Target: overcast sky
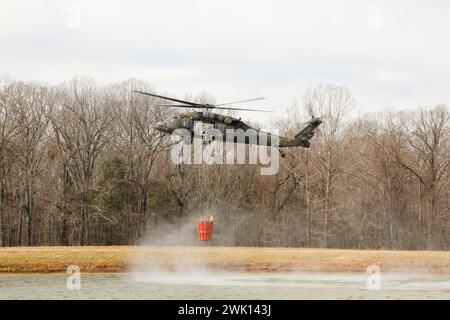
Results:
389 53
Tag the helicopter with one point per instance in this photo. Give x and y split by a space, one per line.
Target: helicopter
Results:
223 123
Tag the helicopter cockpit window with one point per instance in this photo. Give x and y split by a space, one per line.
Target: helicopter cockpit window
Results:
223 126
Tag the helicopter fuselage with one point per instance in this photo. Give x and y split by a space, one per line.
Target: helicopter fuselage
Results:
224 124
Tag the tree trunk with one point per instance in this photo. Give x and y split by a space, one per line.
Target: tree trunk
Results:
29 229
308 201
64 228
327 209
30 214
419 231
83 228
1 215
19 241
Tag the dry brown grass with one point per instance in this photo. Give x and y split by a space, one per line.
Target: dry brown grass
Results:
121 258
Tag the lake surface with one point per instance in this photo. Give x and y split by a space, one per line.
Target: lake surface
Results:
226 286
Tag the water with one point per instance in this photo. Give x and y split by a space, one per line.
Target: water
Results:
225 286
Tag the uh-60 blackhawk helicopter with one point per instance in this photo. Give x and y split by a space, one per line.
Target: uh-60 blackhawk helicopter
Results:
185 120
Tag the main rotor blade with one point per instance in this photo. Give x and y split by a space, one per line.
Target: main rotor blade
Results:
242 109
166 98
175 105
240 101
210 107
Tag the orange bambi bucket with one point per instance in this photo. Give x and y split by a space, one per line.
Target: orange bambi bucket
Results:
205 229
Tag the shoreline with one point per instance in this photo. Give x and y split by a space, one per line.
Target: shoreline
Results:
123 259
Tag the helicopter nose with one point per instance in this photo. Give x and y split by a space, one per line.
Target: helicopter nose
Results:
163 127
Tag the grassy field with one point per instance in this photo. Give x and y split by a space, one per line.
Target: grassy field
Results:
124 258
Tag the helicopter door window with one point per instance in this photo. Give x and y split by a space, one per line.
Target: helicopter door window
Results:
188 123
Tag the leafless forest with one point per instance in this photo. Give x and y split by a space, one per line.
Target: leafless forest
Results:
81 164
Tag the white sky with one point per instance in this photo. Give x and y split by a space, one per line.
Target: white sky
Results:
389 53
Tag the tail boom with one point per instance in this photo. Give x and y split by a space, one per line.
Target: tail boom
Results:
302 138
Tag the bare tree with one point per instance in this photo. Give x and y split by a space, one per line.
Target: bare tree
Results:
30 105
8 131
82 127
429 142
331 103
